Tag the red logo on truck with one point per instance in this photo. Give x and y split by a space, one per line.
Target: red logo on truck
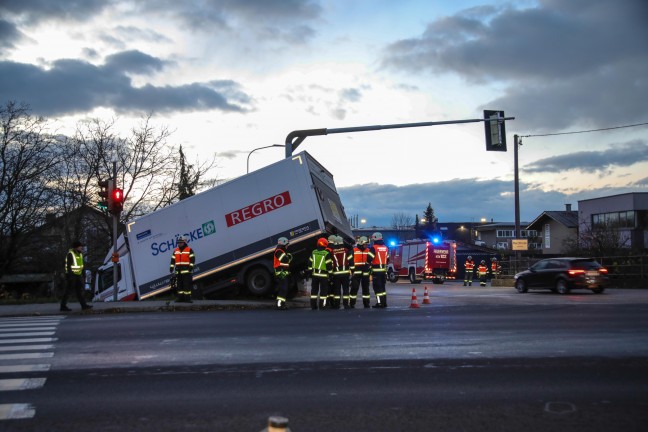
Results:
257 209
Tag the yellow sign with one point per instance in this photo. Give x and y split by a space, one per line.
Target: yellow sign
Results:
520 244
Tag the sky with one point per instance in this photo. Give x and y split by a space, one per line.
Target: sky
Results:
230 76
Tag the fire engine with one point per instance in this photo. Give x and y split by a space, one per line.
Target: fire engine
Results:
420 260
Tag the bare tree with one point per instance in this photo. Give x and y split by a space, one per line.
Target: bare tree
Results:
28 157
603 239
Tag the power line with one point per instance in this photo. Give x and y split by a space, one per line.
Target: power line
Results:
585 131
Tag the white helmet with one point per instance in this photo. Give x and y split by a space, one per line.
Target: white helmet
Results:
283 241
182 239
376 236
469 257
363 240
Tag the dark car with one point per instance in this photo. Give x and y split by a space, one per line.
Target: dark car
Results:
562 275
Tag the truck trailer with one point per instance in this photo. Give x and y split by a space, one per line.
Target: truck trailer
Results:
421 259
233 229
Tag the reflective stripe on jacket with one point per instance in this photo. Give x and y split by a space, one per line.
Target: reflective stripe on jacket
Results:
182 260
320 263
77 263
380 257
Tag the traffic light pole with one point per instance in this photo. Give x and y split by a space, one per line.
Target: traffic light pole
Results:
115 259
295 138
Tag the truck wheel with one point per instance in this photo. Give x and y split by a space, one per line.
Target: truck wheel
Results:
391 276
412 277
258 281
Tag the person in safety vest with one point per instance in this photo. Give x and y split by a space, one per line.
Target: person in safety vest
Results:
319 268
74 277
495 268
182 263
282 261
330 298
470 271
482 273
342 262
360 270
379 256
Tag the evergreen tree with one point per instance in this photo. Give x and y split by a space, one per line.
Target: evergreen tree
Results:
188 178
430 226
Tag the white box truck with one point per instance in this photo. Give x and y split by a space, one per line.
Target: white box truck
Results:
233 229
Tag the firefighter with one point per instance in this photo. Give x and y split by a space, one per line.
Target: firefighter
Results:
330 298
319 267
342 262
74 277
282 261
182 263
360 270
379 256
482 273
470 271
495 268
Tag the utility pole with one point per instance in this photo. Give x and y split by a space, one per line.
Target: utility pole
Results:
516 143
115 218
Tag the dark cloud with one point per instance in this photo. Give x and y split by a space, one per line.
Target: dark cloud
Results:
462 200
38 10
73 86
9 34
625 154
565 62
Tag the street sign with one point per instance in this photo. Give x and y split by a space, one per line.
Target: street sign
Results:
519 244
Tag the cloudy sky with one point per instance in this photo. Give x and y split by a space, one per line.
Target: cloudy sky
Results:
229 76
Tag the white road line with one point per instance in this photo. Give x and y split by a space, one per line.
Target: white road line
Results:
25 368
13 384
26 329
27 334
32 319
16 411
24 356
28 340
25 347
29 324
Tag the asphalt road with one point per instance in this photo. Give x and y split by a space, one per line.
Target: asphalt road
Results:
484 360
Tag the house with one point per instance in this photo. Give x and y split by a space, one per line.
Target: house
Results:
554 228
626 213
498 235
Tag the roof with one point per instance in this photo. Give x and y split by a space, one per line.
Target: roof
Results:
567 218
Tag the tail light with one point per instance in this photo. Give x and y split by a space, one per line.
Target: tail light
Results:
603 270
576 272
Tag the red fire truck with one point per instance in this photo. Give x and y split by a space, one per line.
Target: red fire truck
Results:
420 260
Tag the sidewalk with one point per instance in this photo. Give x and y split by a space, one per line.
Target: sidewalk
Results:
40 309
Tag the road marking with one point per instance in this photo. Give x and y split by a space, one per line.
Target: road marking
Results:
27 334
26 347
16 411
21 383
29 324
33 340
24 356
26 328
25 368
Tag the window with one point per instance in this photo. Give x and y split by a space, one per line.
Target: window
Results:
622 219
547 236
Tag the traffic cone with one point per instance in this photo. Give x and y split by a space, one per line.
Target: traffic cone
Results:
426 297
414 304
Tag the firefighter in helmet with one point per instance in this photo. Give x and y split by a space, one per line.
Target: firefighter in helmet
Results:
182 263
482 273
495 268
379 256
330 298
282 261
342 262
470 271
319 268
360 268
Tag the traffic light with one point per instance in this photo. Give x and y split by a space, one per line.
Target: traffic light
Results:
105 193
117 201
495 130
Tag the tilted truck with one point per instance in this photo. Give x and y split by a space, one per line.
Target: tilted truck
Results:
419 260
233 229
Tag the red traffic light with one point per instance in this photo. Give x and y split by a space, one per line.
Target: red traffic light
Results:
117 200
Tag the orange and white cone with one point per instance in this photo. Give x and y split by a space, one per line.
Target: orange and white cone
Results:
426 296
414 304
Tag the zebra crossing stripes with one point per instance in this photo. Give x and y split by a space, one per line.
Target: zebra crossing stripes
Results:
24 343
